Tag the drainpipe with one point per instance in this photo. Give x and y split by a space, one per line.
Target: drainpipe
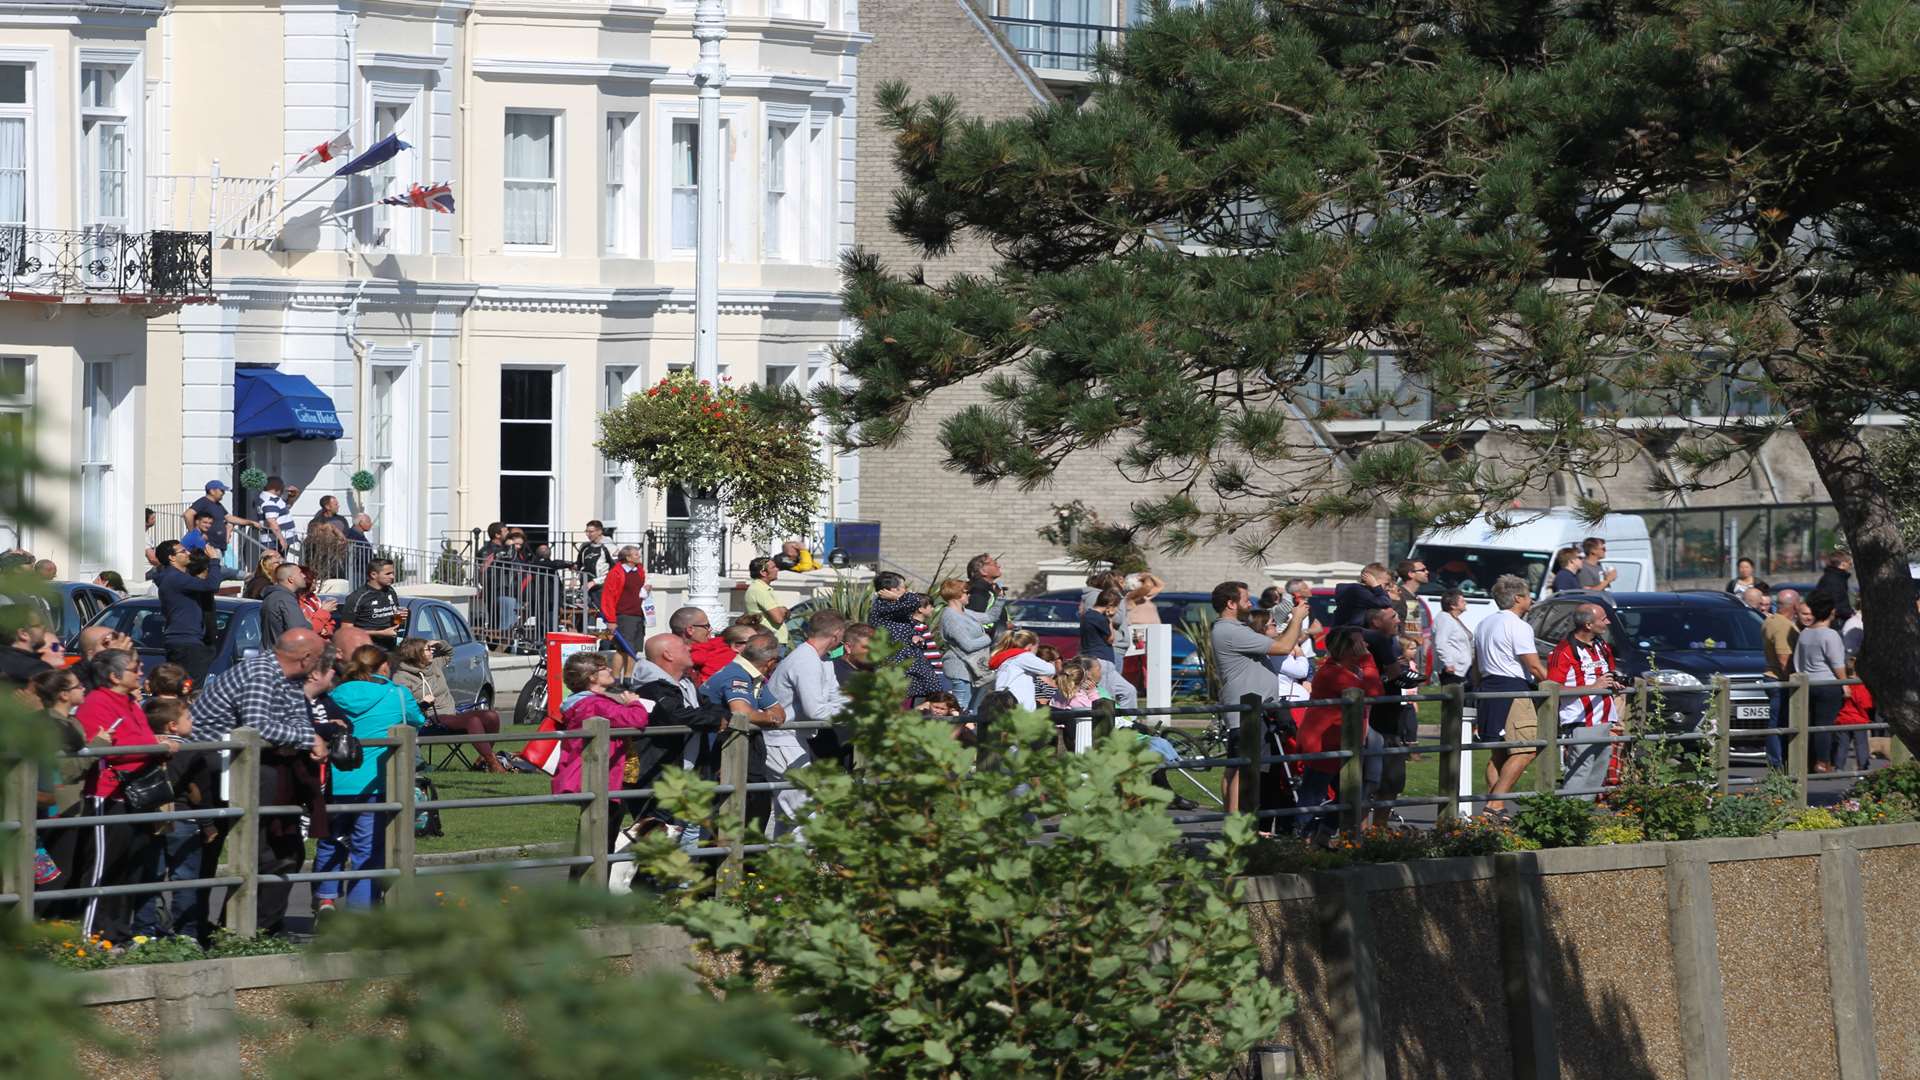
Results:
462 370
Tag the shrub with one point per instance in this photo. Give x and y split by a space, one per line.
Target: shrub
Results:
1373 844
1473 836
1871 811
1553 821
1757 812
1814 820
1665 811
1618 831
992 911
1896 781
1293 855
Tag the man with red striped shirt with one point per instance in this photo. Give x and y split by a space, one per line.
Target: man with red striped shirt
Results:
1584 661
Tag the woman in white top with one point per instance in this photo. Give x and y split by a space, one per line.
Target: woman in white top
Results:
1452 641
1015 667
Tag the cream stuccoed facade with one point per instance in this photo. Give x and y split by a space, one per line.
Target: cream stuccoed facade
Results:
466 355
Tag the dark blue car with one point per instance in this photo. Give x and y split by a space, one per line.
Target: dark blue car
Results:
1679 641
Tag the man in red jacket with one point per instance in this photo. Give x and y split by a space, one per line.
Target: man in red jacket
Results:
623 603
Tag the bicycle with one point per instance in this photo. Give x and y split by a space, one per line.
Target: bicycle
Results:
1214 741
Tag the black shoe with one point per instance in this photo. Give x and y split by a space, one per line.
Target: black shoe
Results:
1182 803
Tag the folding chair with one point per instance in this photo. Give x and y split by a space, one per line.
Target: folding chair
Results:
452 755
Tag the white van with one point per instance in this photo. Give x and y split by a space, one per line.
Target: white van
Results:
1473 556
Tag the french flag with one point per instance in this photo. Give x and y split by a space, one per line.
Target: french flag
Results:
338 146
437 198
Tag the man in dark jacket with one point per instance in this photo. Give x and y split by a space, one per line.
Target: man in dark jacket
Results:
663 678
1836 581
280 604
1352 601
186 606
21 660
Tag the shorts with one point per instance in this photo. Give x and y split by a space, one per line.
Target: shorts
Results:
632 631
1499 719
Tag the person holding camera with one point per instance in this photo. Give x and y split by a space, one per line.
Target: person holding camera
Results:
420 668
1584 660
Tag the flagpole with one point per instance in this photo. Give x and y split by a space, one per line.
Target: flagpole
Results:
703 509
338 214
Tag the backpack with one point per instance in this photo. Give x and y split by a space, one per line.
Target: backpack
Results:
426 822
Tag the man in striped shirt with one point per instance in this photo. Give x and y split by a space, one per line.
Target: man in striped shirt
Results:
1584 661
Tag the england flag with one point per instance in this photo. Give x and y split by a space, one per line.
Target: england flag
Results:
339 146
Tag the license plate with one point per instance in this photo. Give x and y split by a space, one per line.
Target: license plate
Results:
1752 712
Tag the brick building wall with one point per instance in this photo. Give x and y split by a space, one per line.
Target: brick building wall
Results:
944 47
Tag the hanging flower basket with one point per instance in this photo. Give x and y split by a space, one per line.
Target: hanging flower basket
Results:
763 465
253 479
362 481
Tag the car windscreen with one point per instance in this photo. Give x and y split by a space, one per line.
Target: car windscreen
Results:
1177 612
1677 627
1051 612
1474 570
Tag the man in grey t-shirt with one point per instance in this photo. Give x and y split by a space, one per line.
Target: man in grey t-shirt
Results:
1240 659
1592 576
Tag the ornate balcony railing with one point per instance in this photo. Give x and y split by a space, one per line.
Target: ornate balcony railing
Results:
105 265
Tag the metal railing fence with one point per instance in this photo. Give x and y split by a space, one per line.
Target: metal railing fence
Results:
592 849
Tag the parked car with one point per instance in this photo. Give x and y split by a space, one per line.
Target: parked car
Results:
236 628
1679 641
76 603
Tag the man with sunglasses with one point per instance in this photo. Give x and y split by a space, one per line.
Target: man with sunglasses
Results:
710 653
33 650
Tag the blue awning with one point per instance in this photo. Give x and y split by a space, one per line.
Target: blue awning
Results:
274 404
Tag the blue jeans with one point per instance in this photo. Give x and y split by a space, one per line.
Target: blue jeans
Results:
506 612
1162 747
1777 717
1862 748
963 693
356 845
177 856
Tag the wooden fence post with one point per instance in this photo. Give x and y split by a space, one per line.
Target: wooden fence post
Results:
243 840
22 805
402 775
1798 702
1353 740
1253 732
1549 759
1723 731
595 759
732 820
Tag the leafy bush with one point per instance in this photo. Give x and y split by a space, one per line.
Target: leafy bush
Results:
1764 809
1618 831
1895 781
1814 820
488 988
993 911
1665 811
1871 811
1474 836
1553 821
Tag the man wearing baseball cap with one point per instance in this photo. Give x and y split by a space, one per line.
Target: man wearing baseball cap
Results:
210 503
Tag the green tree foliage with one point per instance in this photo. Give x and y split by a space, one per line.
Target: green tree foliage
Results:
483 981
998 911
755 452
1608 210
1896 459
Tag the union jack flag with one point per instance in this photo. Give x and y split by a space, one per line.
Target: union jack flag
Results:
437 198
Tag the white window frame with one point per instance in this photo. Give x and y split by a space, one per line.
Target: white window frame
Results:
783 184
620 506
37 114
129 111
620 228
22 113
394 460
17 409
97 453
395 229
821 229
734 119
556 224
555 449
97 121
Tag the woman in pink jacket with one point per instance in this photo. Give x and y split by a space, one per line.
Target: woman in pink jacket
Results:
590 692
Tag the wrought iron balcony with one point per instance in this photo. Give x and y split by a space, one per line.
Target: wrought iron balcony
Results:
1053 47
104 265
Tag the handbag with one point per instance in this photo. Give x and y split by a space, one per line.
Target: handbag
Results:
344 750
145 791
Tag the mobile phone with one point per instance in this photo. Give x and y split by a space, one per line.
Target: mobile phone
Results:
1282 611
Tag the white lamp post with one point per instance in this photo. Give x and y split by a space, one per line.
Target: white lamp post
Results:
703 510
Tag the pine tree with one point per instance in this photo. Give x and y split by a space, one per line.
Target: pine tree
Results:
1618 210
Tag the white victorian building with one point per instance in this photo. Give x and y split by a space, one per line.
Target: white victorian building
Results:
459 358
